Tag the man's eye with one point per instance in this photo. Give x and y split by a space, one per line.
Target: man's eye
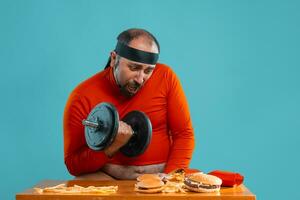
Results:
132 68
148 71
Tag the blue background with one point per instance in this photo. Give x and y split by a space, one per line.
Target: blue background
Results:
238 62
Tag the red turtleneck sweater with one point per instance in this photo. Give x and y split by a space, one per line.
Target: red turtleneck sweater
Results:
161 98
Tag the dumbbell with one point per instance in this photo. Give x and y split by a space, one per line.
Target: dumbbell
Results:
101 128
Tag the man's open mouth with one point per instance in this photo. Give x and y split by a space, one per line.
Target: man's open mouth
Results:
132 89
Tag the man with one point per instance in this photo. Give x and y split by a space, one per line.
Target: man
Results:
132 80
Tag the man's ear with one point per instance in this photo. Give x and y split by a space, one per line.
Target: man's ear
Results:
113 57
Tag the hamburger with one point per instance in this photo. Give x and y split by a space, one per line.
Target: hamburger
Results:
149 183
200 182
147 177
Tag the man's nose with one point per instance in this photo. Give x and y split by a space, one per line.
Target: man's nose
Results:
140 77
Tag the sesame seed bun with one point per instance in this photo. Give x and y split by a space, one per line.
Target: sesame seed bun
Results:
205 178
200 182
149 184
147 177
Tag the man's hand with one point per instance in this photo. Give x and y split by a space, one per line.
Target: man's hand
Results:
124 134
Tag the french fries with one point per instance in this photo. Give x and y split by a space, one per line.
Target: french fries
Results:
76 189
173 187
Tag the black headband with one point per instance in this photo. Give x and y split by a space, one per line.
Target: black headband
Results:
135 54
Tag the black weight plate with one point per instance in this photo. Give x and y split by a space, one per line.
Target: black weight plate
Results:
142 127
98 139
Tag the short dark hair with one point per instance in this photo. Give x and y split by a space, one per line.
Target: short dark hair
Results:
128 35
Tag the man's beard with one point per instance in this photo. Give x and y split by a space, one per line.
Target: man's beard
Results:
130 88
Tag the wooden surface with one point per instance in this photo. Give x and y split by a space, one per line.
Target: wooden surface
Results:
126 191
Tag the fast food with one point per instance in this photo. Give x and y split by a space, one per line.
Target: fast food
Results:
200 182
175 175
149 185
76 189
154 183
173 187
147 177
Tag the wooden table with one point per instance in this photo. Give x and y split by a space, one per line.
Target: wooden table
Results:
126 191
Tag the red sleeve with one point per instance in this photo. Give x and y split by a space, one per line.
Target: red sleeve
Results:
180 125
79 158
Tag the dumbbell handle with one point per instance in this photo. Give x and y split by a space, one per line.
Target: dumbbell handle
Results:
91 124
96 125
